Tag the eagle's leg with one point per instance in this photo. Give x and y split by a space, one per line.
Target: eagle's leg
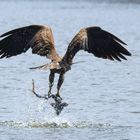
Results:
51 82
59 84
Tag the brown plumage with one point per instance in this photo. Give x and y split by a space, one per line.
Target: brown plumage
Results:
39 38
98 42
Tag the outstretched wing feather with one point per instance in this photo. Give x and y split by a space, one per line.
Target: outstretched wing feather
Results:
15 41
98 42
18 41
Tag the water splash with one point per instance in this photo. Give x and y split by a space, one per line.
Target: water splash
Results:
53 123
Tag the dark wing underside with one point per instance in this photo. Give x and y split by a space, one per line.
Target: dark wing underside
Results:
37 37
98 42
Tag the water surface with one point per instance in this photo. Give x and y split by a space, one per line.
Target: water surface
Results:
103 96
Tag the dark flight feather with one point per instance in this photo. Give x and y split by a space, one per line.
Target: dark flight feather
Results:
98 42
37 37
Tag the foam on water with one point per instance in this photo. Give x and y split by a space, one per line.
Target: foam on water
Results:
53 123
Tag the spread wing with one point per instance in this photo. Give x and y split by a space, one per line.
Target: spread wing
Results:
98 42
38 38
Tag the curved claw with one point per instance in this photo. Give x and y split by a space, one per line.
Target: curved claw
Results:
56 98
57 95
